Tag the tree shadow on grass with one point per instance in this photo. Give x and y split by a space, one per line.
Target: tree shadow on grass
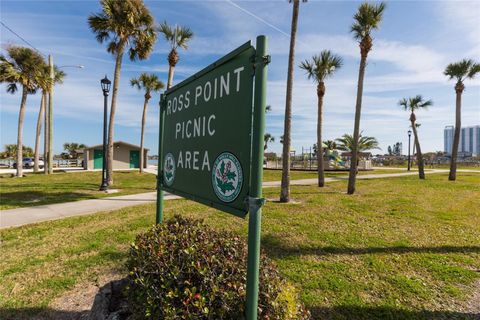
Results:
20 199
278 247
349 312
43 314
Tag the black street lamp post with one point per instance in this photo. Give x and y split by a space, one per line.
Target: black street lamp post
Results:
105 88
409 136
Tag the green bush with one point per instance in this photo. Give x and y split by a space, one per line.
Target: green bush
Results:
183 269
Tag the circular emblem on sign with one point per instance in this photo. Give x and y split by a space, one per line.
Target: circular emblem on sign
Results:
227 177
169 169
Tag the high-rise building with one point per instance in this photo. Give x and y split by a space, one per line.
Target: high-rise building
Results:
469 140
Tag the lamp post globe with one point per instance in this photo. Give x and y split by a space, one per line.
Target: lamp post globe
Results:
105 84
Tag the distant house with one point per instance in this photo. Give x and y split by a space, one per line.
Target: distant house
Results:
125 156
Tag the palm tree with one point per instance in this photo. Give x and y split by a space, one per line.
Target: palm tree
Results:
465 69
148 83
413 104
346 143
72 148
367 18
44 81
10 151
319 68
177 37
330 145
21 67
123 24
285 188
267 138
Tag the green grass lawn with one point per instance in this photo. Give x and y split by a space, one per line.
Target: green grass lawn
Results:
400 248
39 189
276 175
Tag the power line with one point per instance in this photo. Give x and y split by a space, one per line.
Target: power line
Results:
21 38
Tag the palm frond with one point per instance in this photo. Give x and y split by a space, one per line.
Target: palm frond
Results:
367 18
415 103
177 36
345 143
12 88
308 67
322 66
184 34
474 69
147 82
125 23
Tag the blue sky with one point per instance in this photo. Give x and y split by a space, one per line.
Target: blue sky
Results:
416 41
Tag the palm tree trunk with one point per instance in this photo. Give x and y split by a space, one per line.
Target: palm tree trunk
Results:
170 76
144 116
356 130
452 176
50 117
416 141
413 153
320 164
116 83
285 188
45 137
39 132
21 115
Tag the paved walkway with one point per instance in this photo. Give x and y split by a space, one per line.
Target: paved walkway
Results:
23 216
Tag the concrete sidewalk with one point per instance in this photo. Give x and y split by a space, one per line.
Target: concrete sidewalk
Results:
23 216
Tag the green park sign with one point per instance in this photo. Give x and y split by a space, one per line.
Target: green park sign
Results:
211 143
207 141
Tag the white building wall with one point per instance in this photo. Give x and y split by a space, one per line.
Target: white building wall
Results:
469 140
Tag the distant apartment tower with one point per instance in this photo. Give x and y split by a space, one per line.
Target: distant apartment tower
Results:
469 140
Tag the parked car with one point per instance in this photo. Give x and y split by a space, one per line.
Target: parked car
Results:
28 163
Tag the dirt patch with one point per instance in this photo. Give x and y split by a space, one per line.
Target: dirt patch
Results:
473 304
76 304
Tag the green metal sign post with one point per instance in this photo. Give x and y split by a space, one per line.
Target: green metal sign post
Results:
211 144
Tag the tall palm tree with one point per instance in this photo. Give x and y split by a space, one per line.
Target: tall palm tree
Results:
44 81
367 18
177 37
267 138
413 104
285 188
319 68
346 143
149 83
22 66
126 24
460 71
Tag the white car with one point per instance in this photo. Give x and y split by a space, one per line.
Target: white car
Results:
29 163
